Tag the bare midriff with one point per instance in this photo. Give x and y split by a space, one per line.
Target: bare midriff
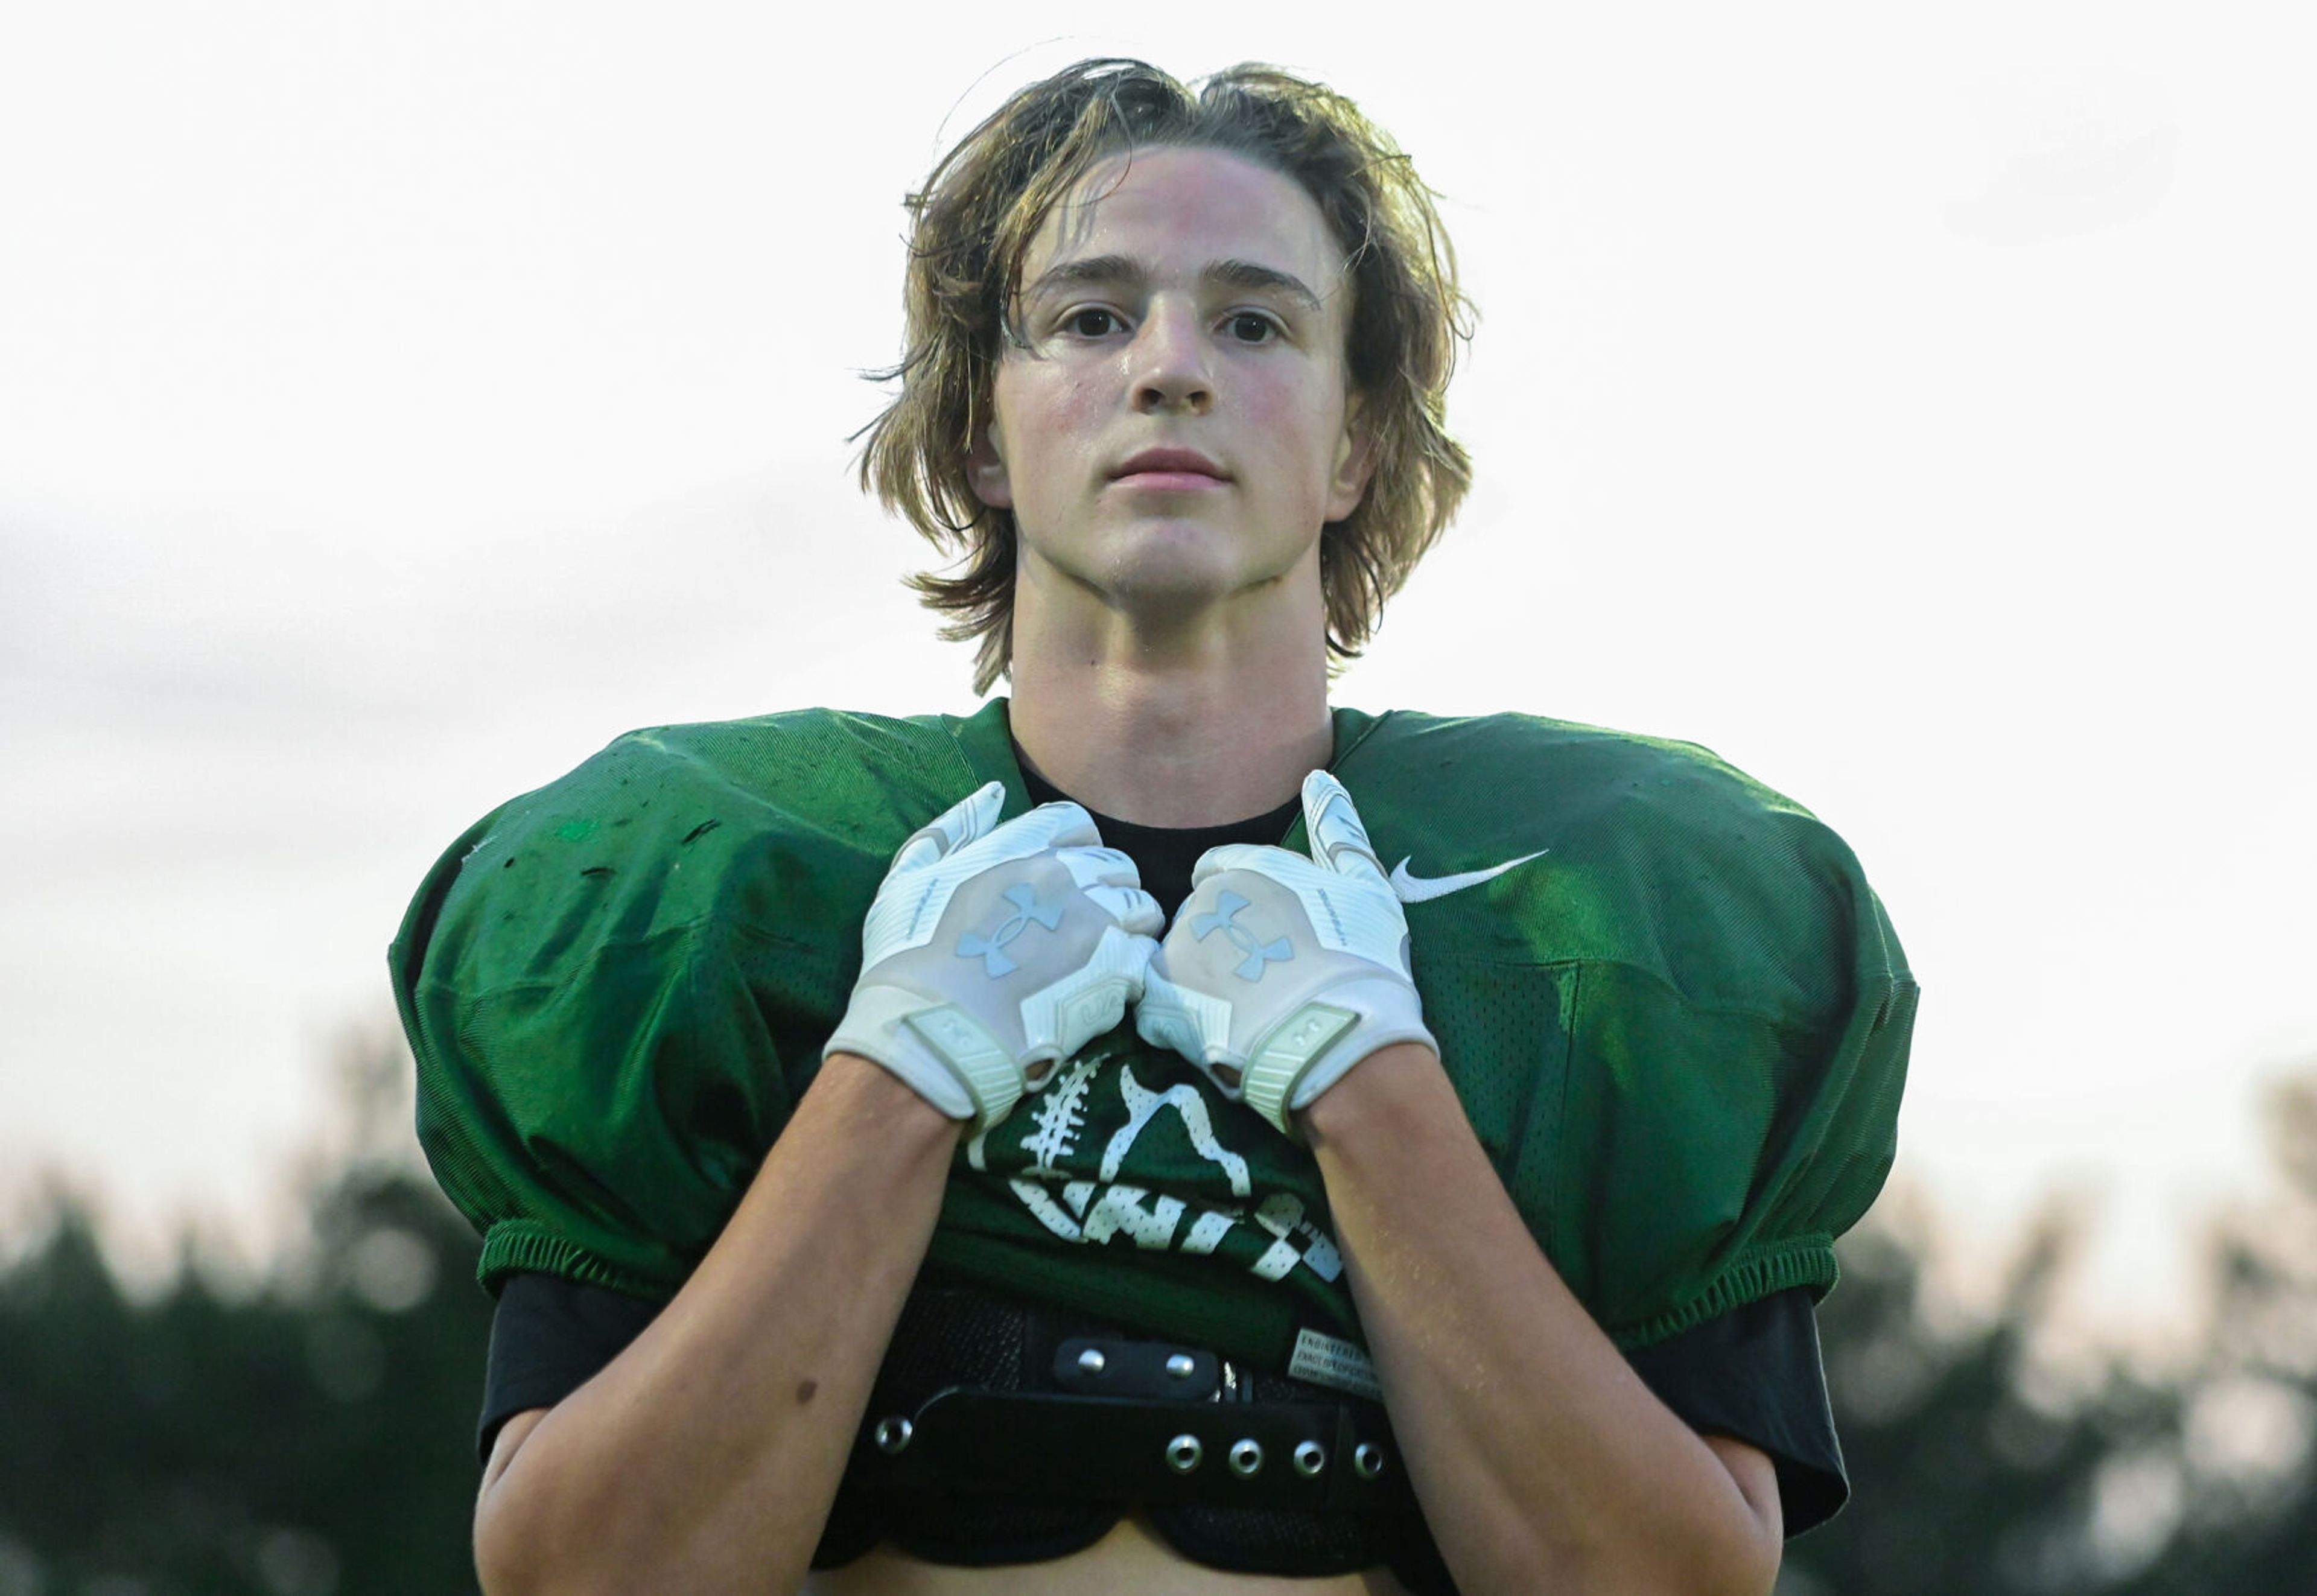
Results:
1131 1560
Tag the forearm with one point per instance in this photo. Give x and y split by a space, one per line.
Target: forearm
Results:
1542 1461
705 1456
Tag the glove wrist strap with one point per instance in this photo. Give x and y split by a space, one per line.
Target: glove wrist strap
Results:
950 1057
1318 1045
978 1059
1293 1045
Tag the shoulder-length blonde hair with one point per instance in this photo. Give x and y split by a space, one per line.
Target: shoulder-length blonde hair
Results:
974 221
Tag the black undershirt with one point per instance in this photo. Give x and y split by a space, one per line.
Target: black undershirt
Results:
1164 855
1753 1374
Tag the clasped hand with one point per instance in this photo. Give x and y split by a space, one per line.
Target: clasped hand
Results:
992 951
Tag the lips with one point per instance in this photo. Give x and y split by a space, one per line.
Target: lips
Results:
1169 468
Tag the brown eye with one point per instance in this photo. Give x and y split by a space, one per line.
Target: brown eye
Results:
1248 327
1091 323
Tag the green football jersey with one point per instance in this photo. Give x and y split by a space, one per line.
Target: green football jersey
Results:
1676 1015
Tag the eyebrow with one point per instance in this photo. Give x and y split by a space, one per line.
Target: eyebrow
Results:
1124 271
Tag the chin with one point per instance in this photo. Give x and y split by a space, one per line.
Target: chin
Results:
1169 570
1165 557
1170 588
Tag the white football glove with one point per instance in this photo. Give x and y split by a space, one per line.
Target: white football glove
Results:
1281 972
992 951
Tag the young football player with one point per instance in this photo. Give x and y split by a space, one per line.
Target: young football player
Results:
1161 1133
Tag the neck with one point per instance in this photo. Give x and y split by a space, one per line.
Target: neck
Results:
1196 721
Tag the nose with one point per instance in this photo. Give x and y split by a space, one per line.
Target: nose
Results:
1167 362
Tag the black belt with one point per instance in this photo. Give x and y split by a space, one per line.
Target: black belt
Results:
1133 1421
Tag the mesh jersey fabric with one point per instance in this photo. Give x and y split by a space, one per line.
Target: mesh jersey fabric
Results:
1679 1031
1753 1373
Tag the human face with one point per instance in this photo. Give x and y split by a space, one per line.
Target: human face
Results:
1178 426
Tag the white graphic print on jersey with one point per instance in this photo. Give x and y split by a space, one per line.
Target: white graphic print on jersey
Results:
1282 1214
1142 1106
1060 1117
1055 1190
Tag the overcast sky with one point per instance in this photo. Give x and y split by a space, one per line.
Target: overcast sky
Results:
396 403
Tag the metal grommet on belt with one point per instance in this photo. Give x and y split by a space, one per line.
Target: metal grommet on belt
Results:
1311 1457
1246 1456
1184 1452
892 1433
1368 1460
1119 1367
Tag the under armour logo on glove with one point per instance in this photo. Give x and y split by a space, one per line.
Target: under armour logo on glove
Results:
1278 950
989 949
972 1046
1343 987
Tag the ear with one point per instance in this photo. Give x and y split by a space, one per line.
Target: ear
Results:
985 468
1355 461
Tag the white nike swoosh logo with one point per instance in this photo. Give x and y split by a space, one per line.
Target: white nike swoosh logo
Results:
1416 889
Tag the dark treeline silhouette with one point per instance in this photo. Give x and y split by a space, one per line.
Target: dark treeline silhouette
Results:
310 1433
1975 1472
307 1434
